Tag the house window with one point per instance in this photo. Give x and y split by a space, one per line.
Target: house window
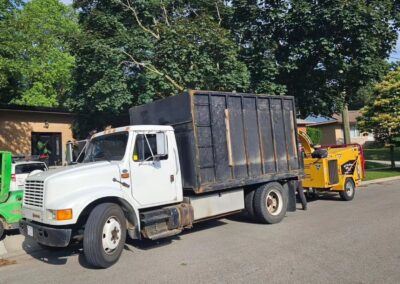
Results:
354 132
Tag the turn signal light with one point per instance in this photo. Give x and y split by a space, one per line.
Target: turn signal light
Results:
125 175
65 214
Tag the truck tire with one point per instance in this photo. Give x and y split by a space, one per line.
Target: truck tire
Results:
349 190
270 203
104 235
248 204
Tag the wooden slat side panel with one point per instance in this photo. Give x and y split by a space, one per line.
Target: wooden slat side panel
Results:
237 137
267 140
289 115
251 136
279 133
217 107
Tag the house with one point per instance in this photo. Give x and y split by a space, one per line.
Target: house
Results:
332 130
30 130
303 124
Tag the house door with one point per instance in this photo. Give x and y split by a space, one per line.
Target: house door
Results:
48 146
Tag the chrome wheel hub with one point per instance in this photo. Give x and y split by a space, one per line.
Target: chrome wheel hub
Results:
111 235
274 202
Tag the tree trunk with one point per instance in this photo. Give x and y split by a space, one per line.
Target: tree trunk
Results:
392 161
346 124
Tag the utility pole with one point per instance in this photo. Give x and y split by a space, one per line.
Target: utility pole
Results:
346 124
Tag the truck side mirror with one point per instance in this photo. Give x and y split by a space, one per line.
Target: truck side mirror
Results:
161 144
69 153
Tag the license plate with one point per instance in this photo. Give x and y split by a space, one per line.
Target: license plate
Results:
29 230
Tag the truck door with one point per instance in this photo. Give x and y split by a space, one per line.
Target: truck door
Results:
152 169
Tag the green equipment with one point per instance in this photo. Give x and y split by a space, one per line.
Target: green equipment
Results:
10 201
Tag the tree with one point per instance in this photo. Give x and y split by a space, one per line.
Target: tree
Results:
381 115
35 63
334 48
257 26
132 52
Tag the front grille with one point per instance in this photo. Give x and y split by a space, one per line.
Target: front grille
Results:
33 194
333 171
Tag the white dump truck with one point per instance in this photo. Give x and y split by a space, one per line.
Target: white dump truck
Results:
184 159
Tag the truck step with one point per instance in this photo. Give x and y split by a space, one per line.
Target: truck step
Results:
153 217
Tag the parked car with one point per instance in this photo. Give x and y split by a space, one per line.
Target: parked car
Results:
20 170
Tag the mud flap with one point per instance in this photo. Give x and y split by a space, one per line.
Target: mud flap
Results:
291 195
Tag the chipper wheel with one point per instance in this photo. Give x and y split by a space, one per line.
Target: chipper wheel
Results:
270 203
104 235
349 190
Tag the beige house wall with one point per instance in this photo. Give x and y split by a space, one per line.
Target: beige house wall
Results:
333 134
16 128
328 134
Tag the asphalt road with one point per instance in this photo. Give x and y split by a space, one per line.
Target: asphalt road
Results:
332 242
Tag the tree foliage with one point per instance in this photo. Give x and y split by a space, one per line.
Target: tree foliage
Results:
258 28
35 63
334 48
382 114
133 52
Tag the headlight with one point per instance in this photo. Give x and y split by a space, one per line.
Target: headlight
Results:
59 215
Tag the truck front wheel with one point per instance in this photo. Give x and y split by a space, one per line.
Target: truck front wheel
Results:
104 235
270 203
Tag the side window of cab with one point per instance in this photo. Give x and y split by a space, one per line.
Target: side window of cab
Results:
150 147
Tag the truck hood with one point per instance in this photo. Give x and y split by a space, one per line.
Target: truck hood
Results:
68 170
72 182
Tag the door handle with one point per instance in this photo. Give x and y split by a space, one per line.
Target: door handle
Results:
171 178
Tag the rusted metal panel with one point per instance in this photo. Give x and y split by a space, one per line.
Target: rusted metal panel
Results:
228 140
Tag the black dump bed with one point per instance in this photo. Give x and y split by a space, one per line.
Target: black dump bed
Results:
228 140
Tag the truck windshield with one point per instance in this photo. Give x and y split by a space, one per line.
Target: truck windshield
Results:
110 147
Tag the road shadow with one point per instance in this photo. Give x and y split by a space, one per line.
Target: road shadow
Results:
59 256
53 256
324 195
146 244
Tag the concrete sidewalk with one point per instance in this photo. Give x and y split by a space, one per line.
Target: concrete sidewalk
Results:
385 163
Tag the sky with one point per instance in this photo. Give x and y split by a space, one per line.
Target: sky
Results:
395 56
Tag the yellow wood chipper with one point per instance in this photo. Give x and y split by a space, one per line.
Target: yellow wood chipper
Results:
337 168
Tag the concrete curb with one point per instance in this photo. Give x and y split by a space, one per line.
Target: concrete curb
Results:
379 180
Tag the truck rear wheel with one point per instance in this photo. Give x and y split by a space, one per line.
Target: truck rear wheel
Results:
104 235
349 190
248 204
270 203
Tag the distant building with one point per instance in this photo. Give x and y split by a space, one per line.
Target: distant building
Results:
332 130
35 131
302 125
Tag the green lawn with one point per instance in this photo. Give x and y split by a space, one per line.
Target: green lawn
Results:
377 170
375 174
381 154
